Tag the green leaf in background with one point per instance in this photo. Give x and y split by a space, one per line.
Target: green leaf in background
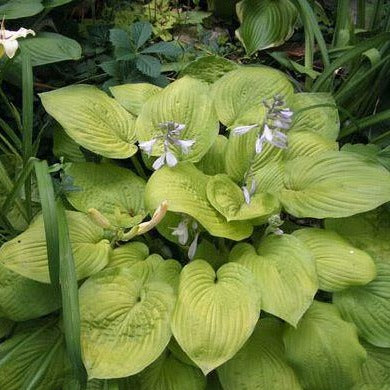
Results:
115 192
265 23
15 9
213 162
133 96
371 151
315 112
184 188
148 65
215 313
5 327
324 349
244 89
55 3
167 372
168 49
23 299
48 48
125 321
140 32
186 101
285 275
261 362
128 254
34 357
209 68
93 120
333 185
339 264
26 254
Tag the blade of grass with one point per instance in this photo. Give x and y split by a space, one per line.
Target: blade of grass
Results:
12 109
10 133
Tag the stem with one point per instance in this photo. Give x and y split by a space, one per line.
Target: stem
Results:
342 23
361 14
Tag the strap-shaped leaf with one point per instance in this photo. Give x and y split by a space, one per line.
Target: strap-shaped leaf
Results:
125 321
334 184
94 120
184 188
242 89
261 362
115 192
133 96
265 23
128 254
227 197
23 299
285 274
186 101
339 264
215 313
26 254
324 350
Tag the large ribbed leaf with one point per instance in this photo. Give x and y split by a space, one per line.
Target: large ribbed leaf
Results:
215 313
26 254
368 306
128 254
186 101
65 147
115 192
125 318
245 89
285 274
315 112
184 187
261 362
15 9
324 350
133 96
339 264
265 23
34 357
334 184
23 299
94 120
213 161
5 327
228 198
167 372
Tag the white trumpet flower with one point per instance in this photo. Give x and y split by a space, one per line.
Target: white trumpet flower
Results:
9 40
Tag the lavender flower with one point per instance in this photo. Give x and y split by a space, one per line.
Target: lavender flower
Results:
182 233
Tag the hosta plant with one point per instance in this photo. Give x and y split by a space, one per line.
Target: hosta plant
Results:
220 238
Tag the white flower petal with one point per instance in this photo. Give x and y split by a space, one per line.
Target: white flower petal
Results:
267 133
179 126
185 144
278 232
193 247
281 124
181 232
287 113
147 146
10 47
159 162
247 195
259 144
171 159
240 130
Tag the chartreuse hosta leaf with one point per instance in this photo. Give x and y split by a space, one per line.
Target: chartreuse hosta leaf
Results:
26 254
333 184
186 101
285 274
125 317
133 96
115 192
65 147
215 312
265 23
368 306
243 90
213 161
22 299
34 357
94 120
184 188
339 264
227 197
324 349
261 362
128 254
5 327
315 112
167 372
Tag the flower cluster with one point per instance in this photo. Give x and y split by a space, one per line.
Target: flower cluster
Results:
182 233
8 40
170 138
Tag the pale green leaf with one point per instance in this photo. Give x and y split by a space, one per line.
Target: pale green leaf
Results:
324 350
265 23
213 161
133 96
125 321
285 274
15 9
128 254
64 146
184 188
207 251
261 362
186 101
26 254
94 120
215 313
339 264
115 192
333 184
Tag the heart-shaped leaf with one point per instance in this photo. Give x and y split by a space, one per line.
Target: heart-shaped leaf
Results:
128 254
285 274
213 162
215 313
94 120
15 9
